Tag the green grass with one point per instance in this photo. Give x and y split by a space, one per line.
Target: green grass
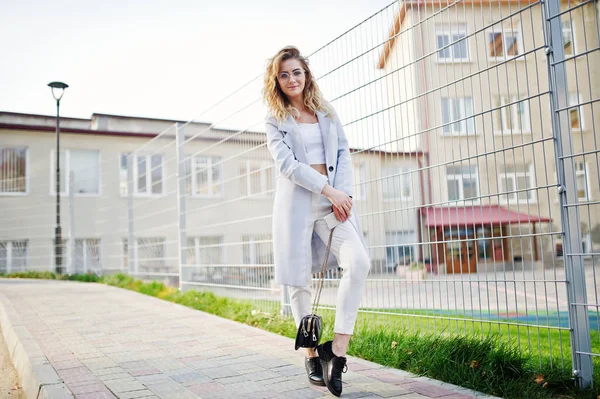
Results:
539 342
472 354
89 277
486 364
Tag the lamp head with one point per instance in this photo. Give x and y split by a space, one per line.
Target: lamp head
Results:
60 89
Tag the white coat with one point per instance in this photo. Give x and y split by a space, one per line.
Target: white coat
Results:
295 246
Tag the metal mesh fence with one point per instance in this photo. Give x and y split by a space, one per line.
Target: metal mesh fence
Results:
574 103
473 127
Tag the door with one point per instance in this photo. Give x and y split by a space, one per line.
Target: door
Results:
461 256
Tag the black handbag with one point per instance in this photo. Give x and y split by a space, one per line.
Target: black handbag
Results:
310 328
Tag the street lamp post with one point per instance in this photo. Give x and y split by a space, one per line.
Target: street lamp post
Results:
58 89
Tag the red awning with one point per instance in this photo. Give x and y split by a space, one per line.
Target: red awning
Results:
476 215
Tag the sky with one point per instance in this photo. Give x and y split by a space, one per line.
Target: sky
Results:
151 58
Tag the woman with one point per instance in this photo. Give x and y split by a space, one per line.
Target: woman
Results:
310 149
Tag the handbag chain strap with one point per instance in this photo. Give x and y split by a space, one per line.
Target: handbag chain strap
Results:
322 274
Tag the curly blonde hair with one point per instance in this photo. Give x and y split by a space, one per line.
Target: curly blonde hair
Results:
277 101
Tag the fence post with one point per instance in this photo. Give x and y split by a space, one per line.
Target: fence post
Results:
9 261
285 301
181 226
567 190
72 224
131 244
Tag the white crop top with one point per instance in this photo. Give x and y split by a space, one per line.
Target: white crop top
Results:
313 142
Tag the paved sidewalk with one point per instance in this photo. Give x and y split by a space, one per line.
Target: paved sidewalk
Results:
92 341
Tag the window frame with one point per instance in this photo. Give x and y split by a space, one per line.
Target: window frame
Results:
263 192
196 249
585 172
570 28
148 193
65 174
400 172
27 173
463 120
85 240
499 28
9 253
445 30
389 234
210 159
125 254
460 178
502 102
513 198
253 243
573 104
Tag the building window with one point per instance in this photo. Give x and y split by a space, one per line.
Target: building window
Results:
396 184
514 118
80 172
582 181
457 116
149 252
147 174
400 248
575 112
203 176
205 258
87 256
452 44
360 178
504 43
13 256
257 249
462 183
568 35
513 180
257 178
13 170
257 255
206 250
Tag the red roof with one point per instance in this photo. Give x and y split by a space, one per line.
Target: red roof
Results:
477 215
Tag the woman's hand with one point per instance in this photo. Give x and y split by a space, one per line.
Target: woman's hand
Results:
340 200
338 214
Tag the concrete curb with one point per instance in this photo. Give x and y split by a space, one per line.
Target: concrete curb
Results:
37 376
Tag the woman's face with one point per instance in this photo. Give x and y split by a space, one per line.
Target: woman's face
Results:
291 78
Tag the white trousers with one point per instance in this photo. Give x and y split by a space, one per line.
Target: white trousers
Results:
352 257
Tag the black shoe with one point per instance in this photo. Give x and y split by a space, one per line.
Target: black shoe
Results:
314 370
333 367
